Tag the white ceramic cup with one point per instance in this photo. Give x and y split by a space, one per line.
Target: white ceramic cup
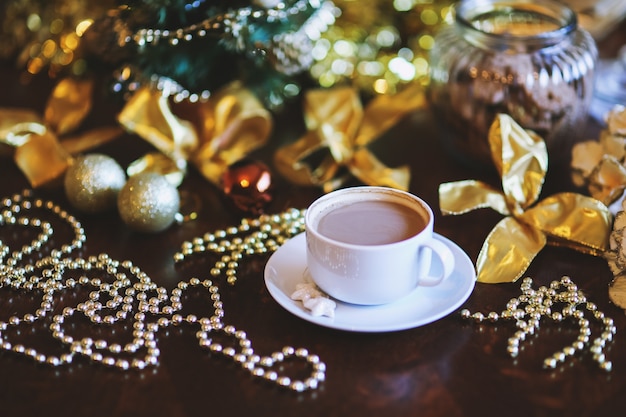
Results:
372 274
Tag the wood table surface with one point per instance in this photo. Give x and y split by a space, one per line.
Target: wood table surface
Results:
451 367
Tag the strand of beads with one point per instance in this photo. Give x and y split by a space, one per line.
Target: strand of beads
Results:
261 235
43 275
119 293
253 236
242 351
229 23
533 305
12 215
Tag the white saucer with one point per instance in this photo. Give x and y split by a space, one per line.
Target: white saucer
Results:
286 268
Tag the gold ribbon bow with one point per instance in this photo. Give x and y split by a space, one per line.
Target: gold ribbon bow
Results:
214 134
43 150
566 219
338 132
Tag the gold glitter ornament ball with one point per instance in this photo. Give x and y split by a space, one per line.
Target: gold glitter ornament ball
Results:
93 182
148 202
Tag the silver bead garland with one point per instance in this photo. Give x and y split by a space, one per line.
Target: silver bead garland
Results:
121 292
560 301
229 25
289 53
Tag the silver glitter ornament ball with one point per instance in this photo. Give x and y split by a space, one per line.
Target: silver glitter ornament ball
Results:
148 202
93 182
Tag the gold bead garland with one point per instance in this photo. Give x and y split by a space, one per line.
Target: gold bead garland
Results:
131 296
533 305
262 235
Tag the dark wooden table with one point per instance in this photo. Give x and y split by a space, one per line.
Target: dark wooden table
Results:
450 367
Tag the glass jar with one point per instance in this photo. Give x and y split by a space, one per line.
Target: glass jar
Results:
528 59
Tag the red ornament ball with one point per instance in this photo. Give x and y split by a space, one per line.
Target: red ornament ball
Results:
247 184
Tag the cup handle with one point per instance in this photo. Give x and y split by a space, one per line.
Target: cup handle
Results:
446 257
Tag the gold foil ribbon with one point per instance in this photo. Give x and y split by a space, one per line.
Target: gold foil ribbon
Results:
564 219
600 165
214 134
42 149
220 131
338 132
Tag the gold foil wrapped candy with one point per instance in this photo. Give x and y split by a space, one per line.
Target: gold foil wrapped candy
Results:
601 165
616 258
564 219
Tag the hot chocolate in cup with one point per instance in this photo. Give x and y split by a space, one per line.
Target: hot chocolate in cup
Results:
373 245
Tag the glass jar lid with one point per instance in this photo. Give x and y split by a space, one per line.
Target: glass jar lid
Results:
519 25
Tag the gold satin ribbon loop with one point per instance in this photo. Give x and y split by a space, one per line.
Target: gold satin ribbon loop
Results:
16 126
214 134
147 114
572 220
42 158
507 251
68 105
468 195
42 149
338 132
522 161
370 170
565 219
235 123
